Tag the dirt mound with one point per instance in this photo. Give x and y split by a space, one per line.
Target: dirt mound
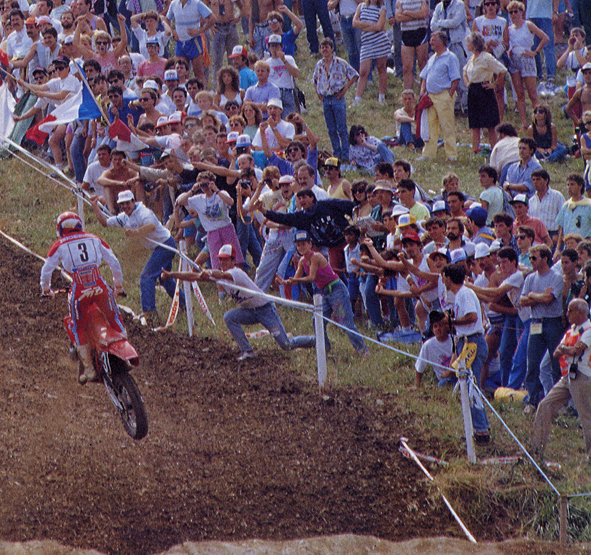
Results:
234 451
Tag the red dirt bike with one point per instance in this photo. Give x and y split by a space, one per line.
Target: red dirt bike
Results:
113 357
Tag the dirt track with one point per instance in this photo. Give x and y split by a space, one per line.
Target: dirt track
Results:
234 452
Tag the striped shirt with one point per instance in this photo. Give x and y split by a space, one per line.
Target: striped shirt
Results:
412 6
547 208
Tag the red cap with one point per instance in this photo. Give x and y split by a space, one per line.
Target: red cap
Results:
411 236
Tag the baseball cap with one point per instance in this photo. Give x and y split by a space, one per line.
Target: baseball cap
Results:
494 246
411 235
521 197
274 39
586 67
242 141
478 215
406 219
162 121
125 196
275 102
382 185
62 60
457 255
286 179
150 84
68 40
39 70
302 235
238 51
232 137
152 41
481 251
440 205
171 75
332 162
30 21
175 117
439 252
227 251
44 19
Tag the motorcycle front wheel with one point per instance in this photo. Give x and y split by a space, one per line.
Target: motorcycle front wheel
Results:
132 411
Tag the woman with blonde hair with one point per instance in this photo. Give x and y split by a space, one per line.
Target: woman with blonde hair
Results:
519 40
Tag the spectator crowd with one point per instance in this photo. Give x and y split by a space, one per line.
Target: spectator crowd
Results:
203 136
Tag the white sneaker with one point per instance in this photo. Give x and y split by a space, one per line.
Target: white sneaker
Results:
356 102
246 354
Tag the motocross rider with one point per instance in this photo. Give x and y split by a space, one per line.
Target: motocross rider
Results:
80 254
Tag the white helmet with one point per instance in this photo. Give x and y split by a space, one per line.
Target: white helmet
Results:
68 222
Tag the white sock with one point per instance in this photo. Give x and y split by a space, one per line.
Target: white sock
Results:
357 99
381 97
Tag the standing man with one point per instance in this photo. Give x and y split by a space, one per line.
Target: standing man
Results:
440 79
188 31
264 90
542 291
351 36
283 73
545 203
141 223
467 320
450 17
225 33
332 78
574 356
313 9
575 214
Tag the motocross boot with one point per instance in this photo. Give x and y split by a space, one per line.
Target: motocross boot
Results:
86 372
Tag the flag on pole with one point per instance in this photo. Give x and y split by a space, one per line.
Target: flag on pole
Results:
126 140
8 101
79 106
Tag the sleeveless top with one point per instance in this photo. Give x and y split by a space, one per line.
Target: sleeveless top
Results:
520 40
324 276
545 140
224 99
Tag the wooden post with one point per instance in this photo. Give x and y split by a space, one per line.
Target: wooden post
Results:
466 413
319 331
562 511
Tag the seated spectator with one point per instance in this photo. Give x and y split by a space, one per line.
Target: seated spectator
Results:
506 149
154 63
365 151
522 218
406 129
228 87
518 177
253 116
544 133
491 198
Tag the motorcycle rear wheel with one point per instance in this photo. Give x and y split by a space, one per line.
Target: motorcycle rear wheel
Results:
133 414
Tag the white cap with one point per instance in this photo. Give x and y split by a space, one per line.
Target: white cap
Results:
481 251
150 84
399 209
175 117
243 140
125 196
457 255
170 75
286 179
275 102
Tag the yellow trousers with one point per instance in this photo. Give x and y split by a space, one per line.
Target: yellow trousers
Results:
441 114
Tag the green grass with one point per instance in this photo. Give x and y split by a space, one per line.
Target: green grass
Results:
30 204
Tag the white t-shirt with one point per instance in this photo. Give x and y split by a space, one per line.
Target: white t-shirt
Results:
279 75
284 128
516 280
467 302
140 217
213 211
93 172
245 300
436 353
430 295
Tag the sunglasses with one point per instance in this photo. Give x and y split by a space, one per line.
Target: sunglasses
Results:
52 71
362 190
533 257
512 12
522 237
539 111
145 99
491 3
290 150
103 42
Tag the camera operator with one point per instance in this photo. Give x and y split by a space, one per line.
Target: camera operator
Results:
574 354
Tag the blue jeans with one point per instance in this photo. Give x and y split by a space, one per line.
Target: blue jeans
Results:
352 40
372 301
276 246
386 155
557 155
313 8
159 259
546 26
537 345
337 306
519 363
335 116
353 286
288 101
509 339
77 155
479 418
248 242
267 316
